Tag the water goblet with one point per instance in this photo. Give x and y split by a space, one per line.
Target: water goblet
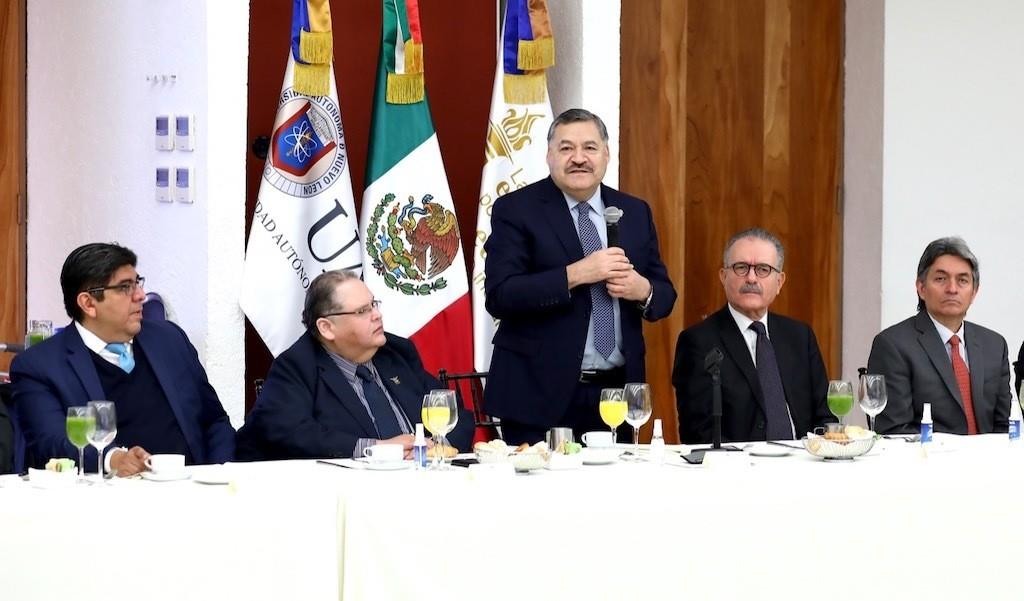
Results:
840 398
612 408
873 397
104 432
439 414
80 424
638 409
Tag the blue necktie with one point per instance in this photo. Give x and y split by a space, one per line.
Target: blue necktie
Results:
602 316
776 412
380 406
124 360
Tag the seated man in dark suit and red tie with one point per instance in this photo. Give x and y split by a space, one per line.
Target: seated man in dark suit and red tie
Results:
344 385
937 357
774 384
148 369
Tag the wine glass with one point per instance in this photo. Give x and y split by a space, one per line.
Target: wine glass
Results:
80 424
612 408
104 432
840 398
638 409
873 396
440 414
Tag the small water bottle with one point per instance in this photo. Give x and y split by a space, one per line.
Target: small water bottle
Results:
656 455
419 449
926 424
1015 419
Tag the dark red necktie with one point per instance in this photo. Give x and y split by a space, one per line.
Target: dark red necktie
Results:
963 380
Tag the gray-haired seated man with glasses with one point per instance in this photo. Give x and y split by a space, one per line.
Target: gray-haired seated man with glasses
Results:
148 369
774 383
344 385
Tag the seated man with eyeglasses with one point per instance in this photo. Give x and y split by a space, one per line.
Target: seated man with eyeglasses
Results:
148 369
774 383
344 385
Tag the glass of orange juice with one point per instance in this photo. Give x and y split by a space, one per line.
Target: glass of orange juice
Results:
613 408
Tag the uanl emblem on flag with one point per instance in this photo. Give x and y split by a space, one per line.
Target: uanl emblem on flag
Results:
414 245
512 134
307 150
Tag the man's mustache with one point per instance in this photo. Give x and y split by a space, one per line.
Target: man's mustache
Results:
748 287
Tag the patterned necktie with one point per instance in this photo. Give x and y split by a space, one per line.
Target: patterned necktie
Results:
775 409
124 360
963 381
602 316
380 407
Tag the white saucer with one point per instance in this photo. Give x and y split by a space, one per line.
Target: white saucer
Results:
763 449
165 477
385 466
211 474
599 456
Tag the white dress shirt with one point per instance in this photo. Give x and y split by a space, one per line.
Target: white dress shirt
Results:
945 334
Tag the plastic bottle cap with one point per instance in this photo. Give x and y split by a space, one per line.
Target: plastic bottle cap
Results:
927 416
420 439
657 428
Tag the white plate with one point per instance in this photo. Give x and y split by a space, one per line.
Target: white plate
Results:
169 477
763 449
384 466
592 456
211 474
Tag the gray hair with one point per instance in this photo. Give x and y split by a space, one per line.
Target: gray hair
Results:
950 245
578 116
760 234
320 297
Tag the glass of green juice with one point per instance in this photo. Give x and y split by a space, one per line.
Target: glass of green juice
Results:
80 424
840 398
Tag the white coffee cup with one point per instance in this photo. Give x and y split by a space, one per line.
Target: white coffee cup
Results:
597 439
166 464
384 453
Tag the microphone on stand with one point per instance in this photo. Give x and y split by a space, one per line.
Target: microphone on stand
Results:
11 347
611 220
713 365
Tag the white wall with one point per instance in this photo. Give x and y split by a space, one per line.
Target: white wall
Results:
954 92
91 157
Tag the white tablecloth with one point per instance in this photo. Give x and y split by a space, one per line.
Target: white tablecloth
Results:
888 525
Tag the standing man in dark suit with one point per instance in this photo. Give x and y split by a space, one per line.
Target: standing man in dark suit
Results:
571 304
151 372
937 357
344 385
774 384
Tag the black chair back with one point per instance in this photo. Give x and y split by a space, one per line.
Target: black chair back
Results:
487 427
12 443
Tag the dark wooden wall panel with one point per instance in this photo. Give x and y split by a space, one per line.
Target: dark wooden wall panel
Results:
748 129
12 175
459 38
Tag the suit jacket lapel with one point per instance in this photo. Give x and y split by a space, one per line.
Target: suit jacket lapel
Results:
736 348
81 363
785 356
556 214
337 384
929 340
976 356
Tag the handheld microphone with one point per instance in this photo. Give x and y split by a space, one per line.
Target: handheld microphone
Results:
11 347
611 220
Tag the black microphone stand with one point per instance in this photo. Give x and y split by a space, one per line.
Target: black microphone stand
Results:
712 363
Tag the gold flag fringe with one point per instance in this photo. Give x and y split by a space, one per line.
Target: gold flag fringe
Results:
528 88
316 46
536 54
413 57
312 80
404 88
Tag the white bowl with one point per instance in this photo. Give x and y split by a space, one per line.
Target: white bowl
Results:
493 456
527 462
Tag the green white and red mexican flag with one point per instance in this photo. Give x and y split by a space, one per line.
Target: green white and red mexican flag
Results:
412 259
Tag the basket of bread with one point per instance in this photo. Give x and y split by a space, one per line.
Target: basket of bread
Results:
523 458
840 442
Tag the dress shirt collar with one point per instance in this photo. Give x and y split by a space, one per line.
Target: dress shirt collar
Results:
95 344
945 333
743 322
594 201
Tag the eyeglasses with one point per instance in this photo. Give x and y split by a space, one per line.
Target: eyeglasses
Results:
125 288
360 312
761 270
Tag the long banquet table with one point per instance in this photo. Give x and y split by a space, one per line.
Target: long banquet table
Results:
891 524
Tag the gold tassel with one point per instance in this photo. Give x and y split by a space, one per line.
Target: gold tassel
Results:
528 88
536 54
413 57
312 80
316 47
404 88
